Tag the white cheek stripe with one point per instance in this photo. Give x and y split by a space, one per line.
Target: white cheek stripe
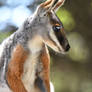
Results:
53 37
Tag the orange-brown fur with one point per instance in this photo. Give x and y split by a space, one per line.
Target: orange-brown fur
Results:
15 69
17 65
46 62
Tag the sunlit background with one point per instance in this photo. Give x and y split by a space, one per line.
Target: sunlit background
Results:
71 72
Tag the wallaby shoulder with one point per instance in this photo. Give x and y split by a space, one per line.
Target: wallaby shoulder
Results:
7 47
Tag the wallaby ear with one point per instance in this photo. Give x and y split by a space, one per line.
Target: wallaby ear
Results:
49 4
58 5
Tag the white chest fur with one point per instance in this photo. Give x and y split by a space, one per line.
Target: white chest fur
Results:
29 74
30 65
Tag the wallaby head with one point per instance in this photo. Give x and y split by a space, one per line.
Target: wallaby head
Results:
51 28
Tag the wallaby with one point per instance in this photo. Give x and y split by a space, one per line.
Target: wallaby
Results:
24 57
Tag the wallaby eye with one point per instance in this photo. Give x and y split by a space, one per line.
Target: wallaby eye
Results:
56 28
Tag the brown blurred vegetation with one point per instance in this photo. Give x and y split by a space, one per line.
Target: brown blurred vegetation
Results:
72 72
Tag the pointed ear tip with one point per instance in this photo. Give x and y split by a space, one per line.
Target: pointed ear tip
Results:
62 1
58 5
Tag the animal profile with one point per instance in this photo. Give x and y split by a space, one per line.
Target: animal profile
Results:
24 56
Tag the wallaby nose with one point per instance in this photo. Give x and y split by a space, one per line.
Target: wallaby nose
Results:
67 47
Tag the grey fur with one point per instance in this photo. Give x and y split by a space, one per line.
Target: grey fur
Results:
37 25
21 36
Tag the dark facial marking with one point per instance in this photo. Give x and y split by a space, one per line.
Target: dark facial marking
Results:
58 30
58 34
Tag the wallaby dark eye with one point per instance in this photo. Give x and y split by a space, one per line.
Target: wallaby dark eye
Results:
56 28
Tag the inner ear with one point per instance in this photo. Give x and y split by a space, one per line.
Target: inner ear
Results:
58 5
54 3
49 4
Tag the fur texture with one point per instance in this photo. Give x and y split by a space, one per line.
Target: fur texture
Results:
24 57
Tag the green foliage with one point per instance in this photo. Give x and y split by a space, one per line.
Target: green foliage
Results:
57 80
79 50
66 18
91 4
4 35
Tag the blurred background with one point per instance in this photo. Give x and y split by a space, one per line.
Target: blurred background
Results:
71 72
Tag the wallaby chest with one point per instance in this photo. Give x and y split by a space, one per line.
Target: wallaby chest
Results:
31 66
30 69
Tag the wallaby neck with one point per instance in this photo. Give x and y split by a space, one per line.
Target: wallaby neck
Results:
35 45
